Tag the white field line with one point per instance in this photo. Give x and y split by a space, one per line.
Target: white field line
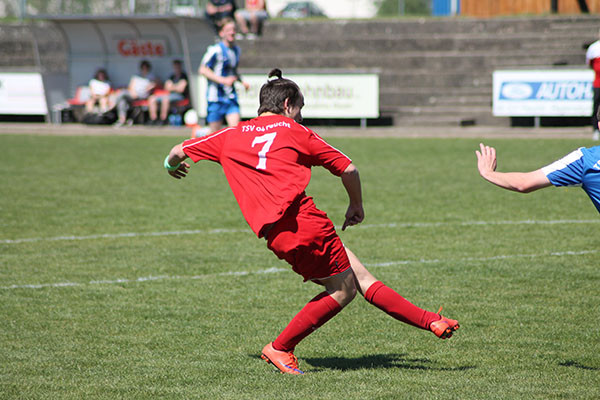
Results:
484 259
143 279
238 230
274 270
122 235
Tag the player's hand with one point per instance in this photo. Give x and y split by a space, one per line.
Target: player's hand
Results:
180 172
486 159
354 215
246 85
229 80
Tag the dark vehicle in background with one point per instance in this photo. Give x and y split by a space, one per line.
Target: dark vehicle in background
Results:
301 9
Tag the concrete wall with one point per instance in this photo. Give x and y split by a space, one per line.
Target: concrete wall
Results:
18 49
433 71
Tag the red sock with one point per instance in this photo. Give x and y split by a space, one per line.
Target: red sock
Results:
398 307
314 314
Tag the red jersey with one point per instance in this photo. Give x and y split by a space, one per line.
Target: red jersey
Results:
595 64
267 162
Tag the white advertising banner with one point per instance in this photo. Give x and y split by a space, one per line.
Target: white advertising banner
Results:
22 93
325 95
543 93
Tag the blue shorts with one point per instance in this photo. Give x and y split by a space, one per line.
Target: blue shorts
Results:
217 110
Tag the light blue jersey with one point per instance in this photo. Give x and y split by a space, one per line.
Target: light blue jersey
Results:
223 61
579 168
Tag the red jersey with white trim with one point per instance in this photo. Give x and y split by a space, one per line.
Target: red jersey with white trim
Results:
592 57
595 64
267 162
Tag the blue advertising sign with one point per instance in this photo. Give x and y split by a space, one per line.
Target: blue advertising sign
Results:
553 90
543 93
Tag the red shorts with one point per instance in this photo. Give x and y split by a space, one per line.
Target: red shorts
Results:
305 238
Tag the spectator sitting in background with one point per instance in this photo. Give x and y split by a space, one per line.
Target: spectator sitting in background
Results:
216 10
140 87
254 13
99 92
176 88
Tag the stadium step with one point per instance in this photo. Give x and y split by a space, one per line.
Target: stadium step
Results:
432 71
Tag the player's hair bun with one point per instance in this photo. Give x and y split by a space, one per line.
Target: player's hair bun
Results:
275 72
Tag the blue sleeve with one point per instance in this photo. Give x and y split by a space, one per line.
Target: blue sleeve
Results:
568 171
210 63
210 57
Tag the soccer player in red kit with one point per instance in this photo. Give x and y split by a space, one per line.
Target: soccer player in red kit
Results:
267 162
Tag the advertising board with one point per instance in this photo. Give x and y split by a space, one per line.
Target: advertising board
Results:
325 95
22 93
543 93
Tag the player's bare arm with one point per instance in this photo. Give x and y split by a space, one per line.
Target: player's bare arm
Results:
211 75
243 82
523 182
174 163
351 181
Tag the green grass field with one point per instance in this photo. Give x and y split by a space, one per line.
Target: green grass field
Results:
119 282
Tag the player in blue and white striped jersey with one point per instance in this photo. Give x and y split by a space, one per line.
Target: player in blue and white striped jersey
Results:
578 168
219 66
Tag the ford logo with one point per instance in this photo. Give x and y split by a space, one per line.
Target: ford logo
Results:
517 91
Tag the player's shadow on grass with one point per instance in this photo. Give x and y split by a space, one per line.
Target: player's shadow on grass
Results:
376 361
575 364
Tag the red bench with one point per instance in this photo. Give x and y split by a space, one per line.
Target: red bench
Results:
140 107
82 94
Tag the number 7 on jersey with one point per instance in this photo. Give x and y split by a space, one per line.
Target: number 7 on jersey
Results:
267 139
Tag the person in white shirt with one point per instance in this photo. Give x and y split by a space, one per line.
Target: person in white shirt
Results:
100 90
140 87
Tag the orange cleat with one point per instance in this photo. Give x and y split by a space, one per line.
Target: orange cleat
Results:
444 327
285 361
